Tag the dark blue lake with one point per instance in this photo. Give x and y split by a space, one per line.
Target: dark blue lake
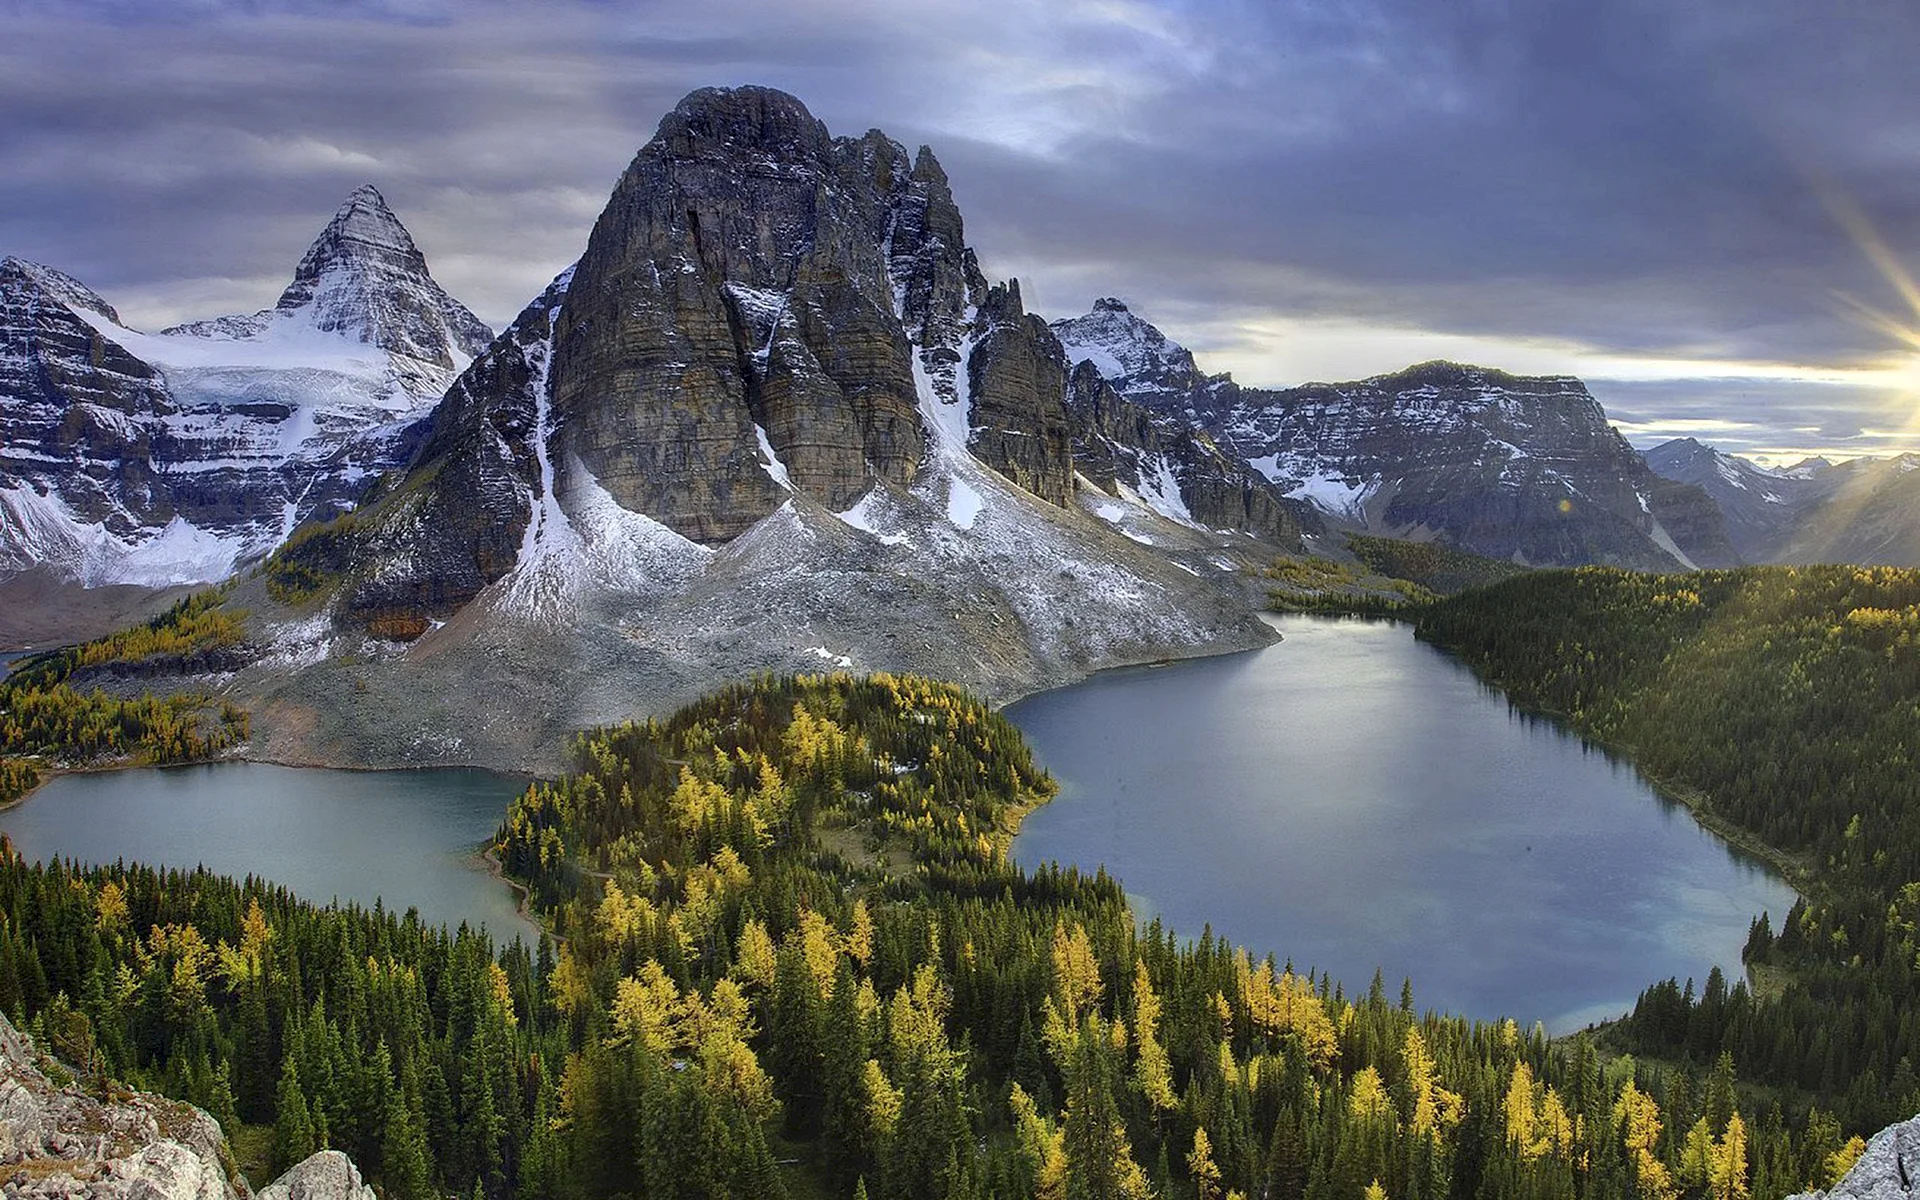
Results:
1352 799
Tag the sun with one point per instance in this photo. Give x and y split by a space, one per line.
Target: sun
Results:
1901 371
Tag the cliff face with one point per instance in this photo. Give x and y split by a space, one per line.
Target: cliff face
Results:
734 308
1019 387
1524 468
1124 448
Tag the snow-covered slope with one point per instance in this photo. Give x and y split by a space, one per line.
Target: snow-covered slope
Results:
1507 466
157 459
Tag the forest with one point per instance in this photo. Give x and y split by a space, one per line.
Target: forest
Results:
788 955
46 721
1783 704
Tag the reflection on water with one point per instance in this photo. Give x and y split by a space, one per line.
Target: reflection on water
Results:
1354 800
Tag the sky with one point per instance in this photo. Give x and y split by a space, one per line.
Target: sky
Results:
1710 210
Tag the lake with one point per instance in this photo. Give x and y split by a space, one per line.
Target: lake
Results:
409 837
1353 799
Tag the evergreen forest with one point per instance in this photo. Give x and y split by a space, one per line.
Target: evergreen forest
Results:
787 954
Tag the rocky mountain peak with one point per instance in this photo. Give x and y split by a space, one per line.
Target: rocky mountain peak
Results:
364 277
1139 360
363 228
745 321
741 120
57 284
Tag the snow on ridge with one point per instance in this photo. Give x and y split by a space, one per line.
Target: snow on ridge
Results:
281 343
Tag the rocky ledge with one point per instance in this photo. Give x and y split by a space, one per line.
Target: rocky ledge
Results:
1886 1170
109 1142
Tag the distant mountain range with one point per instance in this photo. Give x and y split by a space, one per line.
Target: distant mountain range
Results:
775 418
1506 466
129 458
1865 510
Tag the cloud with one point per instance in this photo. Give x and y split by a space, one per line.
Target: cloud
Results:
1601 179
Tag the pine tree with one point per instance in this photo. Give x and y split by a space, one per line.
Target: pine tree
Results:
406 1169
293 1136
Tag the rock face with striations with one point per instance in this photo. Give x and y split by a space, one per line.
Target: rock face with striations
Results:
1019 375
1506 466
732 309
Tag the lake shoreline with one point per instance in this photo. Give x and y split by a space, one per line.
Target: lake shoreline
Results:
1366 751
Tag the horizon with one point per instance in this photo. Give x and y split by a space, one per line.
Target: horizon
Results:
1634 197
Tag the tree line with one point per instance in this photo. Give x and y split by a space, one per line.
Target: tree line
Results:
1785 703
788 955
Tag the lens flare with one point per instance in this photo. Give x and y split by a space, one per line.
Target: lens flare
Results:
1904 329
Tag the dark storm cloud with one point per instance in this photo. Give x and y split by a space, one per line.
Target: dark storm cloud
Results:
1641 178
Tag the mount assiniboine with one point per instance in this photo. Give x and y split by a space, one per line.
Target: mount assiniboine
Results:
776 418
151 460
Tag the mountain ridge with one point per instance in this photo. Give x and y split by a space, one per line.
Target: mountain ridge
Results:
1864 510
1507 466
154 460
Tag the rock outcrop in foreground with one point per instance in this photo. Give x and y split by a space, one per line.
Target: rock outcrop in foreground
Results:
70 1140
1887 1170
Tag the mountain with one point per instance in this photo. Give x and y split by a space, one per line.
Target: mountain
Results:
1504 466
1865 510
1761 506
129 458
1153 460
774 419
1870 514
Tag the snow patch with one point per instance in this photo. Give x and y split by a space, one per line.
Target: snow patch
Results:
771 461
1664 540
865 516
38 529
1161 492
963 503
1333 494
